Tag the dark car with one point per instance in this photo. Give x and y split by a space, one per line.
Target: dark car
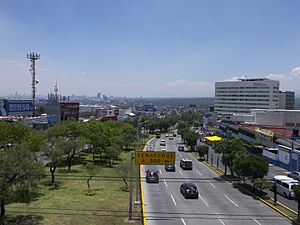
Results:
186 164
174 135
152 176
157 136
189 190
295 175
180 148
170 167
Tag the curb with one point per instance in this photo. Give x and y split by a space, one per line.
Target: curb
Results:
142 190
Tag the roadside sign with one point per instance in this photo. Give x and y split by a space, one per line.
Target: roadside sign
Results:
154 158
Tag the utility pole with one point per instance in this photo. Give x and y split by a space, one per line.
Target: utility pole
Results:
130 185
136 202
33 57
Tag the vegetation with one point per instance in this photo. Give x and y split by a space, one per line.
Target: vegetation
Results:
297 198
229 149
23 152
261 184
202 150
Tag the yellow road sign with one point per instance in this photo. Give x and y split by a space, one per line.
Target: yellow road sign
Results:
154 158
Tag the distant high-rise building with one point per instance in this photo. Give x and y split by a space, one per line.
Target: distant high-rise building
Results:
99 95
245 94
286 100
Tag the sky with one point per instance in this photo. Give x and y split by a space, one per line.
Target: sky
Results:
148 48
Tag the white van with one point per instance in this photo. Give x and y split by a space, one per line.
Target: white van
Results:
285 185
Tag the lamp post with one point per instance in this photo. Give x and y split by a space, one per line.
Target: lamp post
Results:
136 202
130 185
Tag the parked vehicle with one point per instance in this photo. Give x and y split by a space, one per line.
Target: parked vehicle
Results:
285 186
189 190
295 175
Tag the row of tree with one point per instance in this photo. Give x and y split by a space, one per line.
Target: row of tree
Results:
24 152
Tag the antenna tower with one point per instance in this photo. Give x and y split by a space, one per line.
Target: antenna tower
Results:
33 57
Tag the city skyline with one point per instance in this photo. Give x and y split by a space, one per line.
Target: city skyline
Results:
147 48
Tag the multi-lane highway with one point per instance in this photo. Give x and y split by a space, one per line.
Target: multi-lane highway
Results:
218 203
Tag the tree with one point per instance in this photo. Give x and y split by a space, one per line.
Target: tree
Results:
202 150
128 134
123 170
99 136
250 166
4 134
228 149
112 153
92 171
191 139
72 134
297 197
18 171
261 184
54 153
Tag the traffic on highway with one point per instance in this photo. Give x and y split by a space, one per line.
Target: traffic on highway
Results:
191 193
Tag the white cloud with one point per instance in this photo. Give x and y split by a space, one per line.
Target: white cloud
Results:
279 77
296 71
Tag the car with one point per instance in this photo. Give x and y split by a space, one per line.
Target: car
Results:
167 135
295 175
163 150
152 176
157 136
174 135
186 164
180 148
170 167
170 138
162 143
189 190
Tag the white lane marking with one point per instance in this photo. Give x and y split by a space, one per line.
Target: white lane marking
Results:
165 183
212 185
173 200
183 221
256 221
230 200
203 200
198 172
221 222
180 172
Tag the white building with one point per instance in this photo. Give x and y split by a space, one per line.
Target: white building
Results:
242 95
270 117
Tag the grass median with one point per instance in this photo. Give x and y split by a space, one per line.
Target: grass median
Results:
67 202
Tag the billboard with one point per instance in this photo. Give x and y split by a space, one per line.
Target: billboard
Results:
15 107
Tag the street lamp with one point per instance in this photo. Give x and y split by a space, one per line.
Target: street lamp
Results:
136 202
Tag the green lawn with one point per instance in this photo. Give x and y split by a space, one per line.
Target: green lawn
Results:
67 203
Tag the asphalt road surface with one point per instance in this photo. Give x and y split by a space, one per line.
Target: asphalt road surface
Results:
218 203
